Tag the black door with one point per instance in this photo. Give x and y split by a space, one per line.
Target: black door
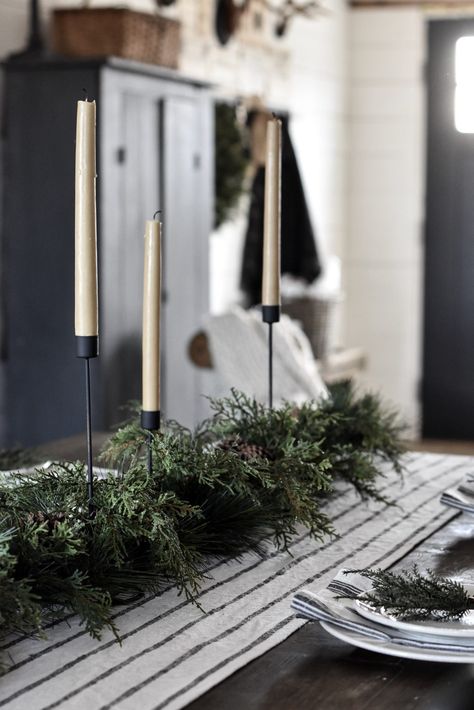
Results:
448 352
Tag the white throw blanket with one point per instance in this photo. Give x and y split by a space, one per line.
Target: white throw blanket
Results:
238 341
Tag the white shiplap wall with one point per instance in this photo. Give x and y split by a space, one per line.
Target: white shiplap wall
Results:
385 200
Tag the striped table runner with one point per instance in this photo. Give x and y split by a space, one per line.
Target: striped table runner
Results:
172 652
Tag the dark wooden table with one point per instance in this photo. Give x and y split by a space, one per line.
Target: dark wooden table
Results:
313 670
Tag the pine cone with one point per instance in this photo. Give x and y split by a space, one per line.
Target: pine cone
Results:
52 519
245 450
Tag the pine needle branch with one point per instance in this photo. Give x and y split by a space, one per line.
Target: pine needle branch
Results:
410 595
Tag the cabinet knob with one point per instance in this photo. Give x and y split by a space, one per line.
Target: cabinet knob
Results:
121 155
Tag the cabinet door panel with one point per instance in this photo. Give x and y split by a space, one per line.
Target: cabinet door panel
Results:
185 256
156 149
136 197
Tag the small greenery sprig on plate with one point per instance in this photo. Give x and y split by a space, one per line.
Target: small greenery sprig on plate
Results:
412 596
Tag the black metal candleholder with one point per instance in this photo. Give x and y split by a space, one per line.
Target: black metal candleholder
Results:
150 421
270 315
88 348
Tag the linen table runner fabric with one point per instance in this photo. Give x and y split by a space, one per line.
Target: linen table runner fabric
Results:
172 652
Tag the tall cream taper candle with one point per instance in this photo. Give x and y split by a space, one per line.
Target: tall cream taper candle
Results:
86 302
272 216
151 318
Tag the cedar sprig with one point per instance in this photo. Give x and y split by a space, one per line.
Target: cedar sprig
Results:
346 434
20 610
286 492
410 595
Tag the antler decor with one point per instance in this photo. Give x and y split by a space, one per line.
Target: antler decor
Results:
230 12
289 9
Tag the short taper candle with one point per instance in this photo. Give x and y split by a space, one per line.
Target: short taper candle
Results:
86 302
151 318
272 216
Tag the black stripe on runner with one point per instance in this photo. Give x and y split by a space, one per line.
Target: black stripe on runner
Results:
296 561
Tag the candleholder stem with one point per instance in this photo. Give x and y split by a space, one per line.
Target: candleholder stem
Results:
150 453
90 472
270 315
151 422
270 365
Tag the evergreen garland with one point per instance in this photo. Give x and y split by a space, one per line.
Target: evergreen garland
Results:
247 476
409 595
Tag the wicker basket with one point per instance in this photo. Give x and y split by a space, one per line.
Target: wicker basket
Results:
116 32
317 318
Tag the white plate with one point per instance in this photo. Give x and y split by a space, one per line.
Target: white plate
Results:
464 628
392 649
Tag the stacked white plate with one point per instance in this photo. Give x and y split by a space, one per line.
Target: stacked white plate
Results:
377 629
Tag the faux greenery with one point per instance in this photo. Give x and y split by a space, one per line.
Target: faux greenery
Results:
410 595
247 476
231 162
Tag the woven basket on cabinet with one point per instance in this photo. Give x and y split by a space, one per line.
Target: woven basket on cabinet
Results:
117 32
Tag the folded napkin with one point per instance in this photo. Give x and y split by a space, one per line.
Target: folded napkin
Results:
326 606
461 497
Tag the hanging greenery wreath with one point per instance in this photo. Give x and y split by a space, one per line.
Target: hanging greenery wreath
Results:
230 162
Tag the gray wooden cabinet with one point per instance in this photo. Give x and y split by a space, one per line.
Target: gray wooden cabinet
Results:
155 151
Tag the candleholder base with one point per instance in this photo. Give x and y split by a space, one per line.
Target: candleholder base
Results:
271 314
150 420
87 346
